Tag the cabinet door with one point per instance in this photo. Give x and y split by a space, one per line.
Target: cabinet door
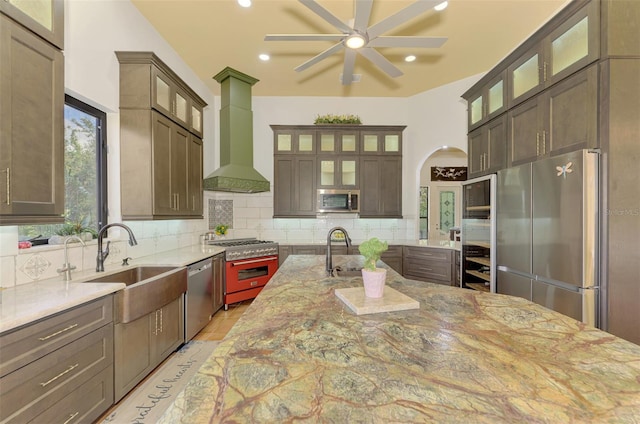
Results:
194 194
31 127
381 186
180 140
496 156
218 282
573 45
573 113
292 141
196 119
133 356
161 92
525 76
168 331
294 186
163 198
44 17
526 139
337 172
477 145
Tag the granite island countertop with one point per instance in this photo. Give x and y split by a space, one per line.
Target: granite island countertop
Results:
299 354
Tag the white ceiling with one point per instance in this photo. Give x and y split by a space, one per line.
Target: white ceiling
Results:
212 34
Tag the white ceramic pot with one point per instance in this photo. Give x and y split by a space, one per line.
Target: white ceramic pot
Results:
374 282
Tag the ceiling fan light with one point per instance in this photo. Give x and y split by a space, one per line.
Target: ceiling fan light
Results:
410 58
355 41
441 6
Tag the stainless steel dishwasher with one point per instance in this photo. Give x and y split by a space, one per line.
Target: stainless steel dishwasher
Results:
198 305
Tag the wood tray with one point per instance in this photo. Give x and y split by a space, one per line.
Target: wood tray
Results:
391 301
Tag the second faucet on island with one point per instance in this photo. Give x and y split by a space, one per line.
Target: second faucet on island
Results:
329 260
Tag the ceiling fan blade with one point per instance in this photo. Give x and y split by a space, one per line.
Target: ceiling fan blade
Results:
325 54
363 12
401 17
304 37
389 41
326 15
380 61
349 63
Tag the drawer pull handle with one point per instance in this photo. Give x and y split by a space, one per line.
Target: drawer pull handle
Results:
71 368
57 332
254 283
71 417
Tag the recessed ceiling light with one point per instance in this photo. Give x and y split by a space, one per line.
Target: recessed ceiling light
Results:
244 3
410 58
438 7
264 57
445 147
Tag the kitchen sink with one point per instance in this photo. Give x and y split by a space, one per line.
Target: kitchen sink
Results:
148 288
347 272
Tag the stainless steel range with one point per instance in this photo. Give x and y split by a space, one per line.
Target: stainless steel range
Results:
250 264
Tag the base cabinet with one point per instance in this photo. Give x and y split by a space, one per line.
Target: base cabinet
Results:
142 344
429 264
59 369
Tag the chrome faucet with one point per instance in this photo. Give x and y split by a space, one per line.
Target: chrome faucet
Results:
347 239
102 254
67 267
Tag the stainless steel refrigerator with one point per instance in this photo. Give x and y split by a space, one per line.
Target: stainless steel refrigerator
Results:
547 233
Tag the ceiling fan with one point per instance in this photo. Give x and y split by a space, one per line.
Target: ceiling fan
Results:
360 38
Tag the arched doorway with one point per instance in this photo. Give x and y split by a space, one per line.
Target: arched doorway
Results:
440 203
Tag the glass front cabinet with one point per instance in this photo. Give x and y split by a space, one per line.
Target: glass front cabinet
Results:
571 46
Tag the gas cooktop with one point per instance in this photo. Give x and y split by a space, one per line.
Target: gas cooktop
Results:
246 248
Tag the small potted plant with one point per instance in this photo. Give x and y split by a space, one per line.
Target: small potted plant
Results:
372 277
221 230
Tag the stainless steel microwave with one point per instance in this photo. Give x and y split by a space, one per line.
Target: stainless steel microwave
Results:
338 201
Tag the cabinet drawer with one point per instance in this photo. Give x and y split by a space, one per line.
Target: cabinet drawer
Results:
25 345
427 253
29 391
85 404
428 264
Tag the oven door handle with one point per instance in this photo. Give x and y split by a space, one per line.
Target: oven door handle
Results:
254 261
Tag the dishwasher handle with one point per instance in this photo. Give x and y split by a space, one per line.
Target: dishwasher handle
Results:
198 268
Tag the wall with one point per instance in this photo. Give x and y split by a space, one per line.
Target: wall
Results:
95 29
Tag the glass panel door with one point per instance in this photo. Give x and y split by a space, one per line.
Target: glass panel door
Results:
327 143
348 143
495 99
570 47
348 172
163 94
327 172
181 107
391 143
196 119
526 76
284 142
305 143
40 11
370 143
476 110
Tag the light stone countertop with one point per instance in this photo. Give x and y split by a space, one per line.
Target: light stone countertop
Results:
298 354
27 303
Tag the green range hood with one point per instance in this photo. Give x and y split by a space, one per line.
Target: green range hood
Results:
236 172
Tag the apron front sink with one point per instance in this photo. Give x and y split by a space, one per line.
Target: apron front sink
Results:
149 288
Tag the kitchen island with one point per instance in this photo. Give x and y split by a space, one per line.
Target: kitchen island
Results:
299 354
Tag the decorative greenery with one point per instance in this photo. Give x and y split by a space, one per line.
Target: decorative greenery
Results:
371 250
337 119
221 229
76 228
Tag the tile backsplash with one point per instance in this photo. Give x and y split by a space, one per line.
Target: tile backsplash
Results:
249 215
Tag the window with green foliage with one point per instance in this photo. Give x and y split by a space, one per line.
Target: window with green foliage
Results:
85 178
424 212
